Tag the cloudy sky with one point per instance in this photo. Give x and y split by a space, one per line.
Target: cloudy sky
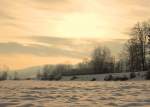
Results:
37 32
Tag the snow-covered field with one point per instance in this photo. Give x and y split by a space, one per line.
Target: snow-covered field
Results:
74 94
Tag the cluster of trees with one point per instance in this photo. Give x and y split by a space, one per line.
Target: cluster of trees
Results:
135 58
51 73
137 47
100 62
4 73
137 50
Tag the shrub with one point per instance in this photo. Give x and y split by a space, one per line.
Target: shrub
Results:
93 79
73 78
148 75
3 76
108 78
117 78
58 77
124 78
132 75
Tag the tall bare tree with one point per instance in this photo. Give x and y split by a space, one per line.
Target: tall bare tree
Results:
101 60
136 46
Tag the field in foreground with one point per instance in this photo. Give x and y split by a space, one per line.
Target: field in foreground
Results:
74 94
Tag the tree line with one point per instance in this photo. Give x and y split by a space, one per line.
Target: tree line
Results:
101 62
135 58
6 74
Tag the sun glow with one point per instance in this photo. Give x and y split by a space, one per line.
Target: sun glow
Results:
68 28
79 25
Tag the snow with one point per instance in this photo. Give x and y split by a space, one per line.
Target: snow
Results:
74 94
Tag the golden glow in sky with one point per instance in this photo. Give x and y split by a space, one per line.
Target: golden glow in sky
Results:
46 29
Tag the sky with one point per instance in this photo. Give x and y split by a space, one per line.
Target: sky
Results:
38 32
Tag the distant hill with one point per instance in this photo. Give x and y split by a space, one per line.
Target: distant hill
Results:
27 72
30 72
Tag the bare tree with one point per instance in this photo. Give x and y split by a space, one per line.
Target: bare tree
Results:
4 73
141 32
101 59
16 76
136 46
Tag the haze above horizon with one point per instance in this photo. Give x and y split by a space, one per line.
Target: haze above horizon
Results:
37 32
